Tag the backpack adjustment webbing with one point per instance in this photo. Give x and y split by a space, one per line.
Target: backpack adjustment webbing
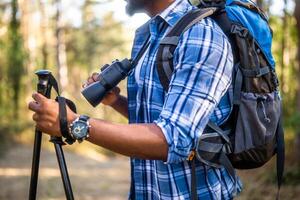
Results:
255 73
225 163
222 133
213 149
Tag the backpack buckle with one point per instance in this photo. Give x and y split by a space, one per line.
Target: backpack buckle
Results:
257 73
192 155
240 30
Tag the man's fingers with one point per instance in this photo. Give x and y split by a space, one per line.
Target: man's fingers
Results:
34 106
95 77
84 85
90 80
38 97
116 90
35 117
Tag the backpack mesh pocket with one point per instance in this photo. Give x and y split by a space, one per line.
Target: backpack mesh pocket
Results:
256 128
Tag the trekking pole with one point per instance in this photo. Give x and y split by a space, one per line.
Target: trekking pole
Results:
44 86
57 141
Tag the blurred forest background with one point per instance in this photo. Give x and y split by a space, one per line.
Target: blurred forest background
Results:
35 34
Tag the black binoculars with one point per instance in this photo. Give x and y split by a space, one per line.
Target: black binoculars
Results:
109 77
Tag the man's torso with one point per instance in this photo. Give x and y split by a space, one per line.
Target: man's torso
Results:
146 98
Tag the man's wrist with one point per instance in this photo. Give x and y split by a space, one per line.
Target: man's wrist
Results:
72 118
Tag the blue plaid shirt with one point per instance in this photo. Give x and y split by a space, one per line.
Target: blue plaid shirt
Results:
200 90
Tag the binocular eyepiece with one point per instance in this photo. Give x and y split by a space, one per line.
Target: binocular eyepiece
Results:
110 77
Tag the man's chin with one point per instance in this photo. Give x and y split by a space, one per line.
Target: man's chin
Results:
130 11
135 6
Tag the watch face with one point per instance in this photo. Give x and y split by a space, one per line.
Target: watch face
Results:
80 129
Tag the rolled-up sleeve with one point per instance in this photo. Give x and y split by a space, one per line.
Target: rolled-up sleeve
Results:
203 71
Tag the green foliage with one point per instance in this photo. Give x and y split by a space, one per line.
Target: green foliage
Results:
195 2
95 43
2 65
292 176
288 74
293 121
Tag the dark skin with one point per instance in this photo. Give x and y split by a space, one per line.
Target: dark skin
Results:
123 139
152 7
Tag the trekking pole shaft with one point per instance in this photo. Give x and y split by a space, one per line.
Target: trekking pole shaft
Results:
35 165
64 171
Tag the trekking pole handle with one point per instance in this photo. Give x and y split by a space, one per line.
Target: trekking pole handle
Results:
43 86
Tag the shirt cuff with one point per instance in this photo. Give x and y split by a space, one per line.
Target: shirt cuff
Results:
176 153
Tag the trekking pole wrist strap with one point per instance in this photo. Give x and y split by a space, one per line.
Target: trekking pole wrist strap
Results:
63 118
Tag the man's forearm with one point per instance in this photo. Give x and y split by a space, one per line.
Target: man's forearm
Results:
144 141
121 106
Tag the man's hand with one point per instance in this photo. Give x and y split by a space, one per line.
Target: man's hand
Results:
111 97
46 114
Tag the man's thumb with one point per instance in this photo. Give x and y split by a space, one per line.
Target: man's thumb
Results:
38 97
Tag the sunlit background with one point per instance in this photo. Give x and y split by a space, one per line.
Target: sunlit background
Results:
86 34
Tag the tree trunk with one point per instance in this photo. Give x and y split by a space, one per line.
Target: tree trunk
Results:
283 45
61 57
15 57
297 17
44 23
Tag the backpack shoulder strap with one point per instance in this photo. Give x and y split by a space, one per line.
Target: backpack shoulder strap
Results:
170 42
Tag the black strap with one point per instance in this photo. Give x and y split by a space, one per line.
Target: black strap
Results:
54 84
63 122
238 83
63 102
223 21
141 52
255 72
209 3
221 132
71 105
224 161
280 155
169 43
63 116
194 180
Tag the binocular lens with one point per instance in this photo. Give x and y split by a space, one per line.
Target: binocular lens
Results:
94 93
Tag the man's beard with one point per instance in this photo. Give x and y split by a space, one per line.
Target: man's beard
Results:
134 6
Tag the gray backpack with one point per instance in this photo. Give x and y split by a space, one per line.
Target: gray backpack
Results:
253 133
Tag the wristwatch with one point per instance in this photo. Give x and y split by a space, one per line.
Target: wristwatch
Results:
79 128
